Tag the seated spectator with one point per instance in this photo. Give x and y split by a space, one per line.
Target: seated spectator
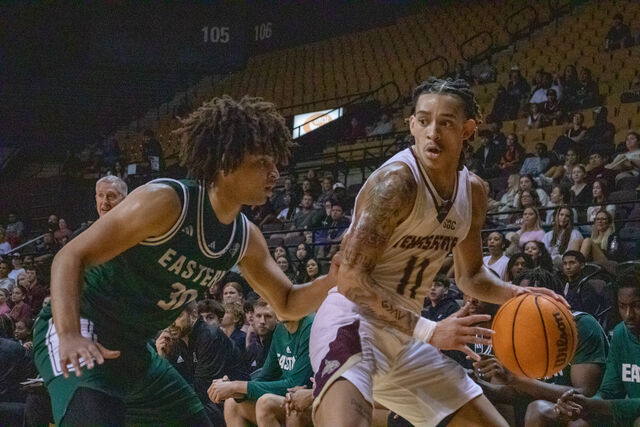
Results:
540 95
538 164
517 89
264 323
52 223
528 199
21 310
487 156
232 323
617 399
62 231
201 353
506 200
307 216
286 267
633 94
518 263
580 191
539 255
560 195
568 81
340 196
627 164
5 247
496 260
600 191
16 262
36 291
573 137
496 136
48 245
530 229
603 243
327 191
232 292
586 95
619 35
602 132
552 110
354 131
312 270
152 154
503 107
303 253
211 312
287 365
461 72
558 173
534 119
292 208
382 127
581 298
288 189
596 169
563 237
4 298
24 333
513 156
6 282
527 183
278 252
260 215
332 232
439 304
14 231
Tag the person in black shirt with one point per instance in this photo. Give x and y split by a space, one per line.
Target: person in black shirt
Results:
440 304
619 35
264 323
584 298
201 353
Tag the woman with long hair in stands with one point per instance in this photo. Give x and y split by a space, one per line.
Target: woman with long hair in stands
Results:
600 191
539 254
559 172
563 237
627 163
303 253
531 228
496 260
601 246
518 263
312 269
513 156
580 191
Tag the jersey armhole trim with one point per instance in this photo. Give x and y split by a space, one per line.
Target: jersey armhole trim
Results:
245 237
159 240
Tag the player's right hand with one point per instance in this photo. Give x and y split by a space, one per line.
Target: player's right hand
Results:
74 347
457 330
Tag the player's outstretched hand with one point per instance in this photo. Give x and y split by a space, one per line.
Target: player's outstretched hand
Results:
457 330
489 368
567 407
75 347
519 290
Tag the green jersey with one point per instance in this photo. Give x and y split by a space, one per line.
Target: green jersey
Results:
592 347
144 289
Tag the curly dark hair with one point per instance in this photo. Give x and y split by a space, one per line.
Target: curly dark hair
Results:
459 88
216 137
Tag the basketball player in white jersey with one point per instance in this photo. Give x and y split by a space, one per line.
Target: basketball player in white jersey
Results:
368 341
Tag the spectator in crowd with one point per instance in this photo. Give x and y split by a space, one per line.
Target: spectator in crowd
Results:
303 253
573 137
562 172
333 231
47 245
211 311
581 298
5 247
4 299
568 81
541 93
52 223
538 164
633 94
14 231
201 353
354 131
152 152
617 400
232 323
286 267
314 185
527 183
531 228
5 281
341 196
312 270
287 365
528 199
307 216
439 304
232 292
16 261
596 168
602 245
560 195
62 231
552 110
503 107
517 89
288 189
278 252
461 72
580 190
513 155
496 260
534 119
487 156
260 214
507 199
292 208
24 333
619 34
119 170
518 263
627 164
327 190
539 255
563 237
36 291
600 191
496 135
264 323
382 127
586 94
20 310
602 133
110 191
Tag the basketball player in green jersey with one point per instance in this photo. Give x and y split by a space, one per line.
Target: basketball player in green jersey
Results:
131 273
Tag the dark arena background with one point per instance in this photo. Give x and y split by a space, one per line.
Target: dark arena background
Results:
96 88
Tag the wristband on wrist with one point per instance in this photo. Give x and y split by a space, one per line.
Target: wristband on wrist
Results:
424 330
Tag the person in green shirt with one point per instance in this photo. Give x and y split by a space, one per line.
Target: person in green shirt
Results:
618 399
132 272
286 366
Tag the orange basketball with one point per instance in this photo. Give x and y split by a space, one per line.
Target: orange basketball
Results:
535 337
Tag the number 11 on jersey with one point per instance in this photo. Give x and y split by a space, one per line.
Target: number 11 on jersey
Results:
408 271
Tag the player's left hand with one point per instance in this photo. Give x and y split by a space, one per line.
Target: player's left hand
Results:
567 408
519 290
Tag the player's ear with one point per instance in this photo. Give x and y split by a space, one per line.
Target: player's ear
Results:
468 128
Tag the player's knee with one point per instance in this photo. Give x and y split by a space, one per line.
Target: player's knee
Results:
538 413
268 406
231 408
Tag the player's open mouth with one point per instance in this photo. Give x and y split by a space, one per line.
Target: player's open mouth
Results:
433 152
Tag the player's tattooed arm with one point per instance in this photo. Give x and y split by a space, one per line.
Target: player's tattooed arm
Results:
385 201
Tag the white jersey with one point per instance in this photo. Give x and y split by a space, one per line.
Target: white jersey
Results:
419 245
